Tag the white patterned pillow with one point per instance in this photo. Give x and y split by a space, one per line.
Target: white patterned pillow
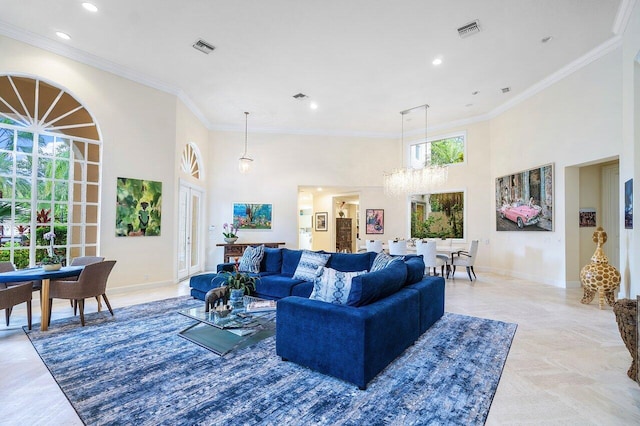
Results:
383 260
333 286
251 258
308 265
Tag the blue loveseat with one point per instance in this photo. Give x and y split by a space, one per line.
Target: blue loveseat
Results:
386 312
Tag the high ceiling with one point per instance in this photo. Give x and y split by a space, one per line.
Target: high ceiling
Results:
361 61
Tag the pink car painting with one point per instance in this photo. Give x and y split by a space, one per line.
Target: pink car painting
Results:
521 213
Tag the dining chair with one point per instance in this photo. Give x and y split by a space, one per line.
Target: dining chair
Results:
466 259
430 256
374 245
9 267
92 282
13 295
82 261
397 248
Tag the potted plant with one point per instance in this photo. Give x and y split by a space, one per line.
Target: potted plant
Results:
230 233
51 262
239 284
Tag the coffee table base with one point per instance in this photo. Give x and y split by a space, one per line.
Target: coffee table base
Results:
222 341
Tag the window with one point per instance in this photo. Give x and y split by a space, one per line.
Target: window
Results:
49 173
190 161
449 150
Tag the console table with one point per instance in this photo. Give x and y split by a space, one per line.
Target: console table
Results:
236 250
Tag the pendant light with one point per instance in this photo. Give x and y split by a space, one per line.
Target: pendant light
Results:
245 162
408 180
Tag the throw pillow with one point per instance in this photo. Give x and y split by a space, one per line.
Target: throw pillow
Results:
333 286
383 260
309 263
251 258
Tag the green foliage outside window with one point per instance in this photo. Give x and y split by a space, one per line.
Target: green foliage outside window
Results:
447 151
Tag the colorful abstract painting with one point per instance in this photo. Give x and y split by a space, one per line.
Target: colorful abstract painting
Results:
138 207
252 216
375 221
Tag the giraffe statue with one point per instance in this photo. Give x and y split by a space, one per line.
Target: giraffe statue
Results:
598 276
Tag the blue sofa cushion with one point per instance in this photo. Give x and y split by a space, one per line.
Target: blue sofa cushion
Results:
367 288
349 262
415 269
383 260
251 258
290 260
205 282
303 289
333 286
272 260
275 286
310 262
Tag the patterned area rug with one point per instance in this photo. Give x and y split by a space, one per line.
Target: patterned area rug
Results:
134 369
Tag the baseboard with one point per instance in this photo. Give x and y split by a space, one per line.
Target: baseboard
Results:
533 278
140 286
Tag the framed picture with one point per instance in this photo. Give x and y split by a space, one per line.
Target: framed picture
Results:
375 221
524 200
138 207
438 215
321 221
628 204
250 216
587 218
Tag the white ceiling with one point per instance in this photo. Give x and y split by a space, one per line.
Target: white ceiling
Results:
361 61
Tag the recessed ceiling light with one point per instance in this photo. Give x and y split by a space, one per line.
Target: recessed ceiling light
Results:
63 36
546 39
437 61
319 189
313 105
90 7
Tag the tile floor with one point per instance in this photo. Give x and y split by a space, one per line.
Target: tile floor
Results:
567 364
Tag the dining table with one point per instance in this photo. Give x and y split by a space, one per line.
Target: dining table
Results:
39 274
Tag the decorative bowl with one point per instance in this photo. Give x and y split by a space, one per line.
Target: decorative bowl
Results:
231 240
52 267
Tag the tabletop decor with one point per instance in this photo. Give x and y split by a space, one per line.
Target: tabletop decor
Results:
238 284
230 233
51 262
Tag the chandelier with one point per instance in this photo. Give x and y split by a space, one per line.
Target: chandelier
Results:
415 181
245 162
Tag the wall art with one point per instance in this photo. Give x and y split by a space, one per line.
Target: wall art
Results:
138 207
253 216
524 200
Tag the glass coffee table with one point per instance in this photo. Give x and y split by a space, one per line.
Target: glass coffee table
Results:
239 329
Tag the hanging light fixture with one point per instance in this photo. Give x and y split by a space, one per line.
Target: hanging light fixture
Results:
415 181
245 162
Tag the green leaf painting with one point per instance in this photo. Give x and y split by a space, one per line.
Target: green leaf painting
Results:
138 207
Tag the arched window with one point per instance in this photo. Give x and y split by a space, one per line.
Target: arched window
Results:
50 168
190 162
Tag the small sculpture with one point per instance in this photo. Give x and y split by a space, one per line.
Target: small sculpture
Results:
216 297
598 276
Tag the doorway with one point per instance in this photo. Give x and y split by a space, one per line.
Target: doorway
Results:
190 231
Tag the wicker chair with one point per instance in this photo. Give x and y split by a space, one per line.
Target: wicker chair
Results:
81 261
14 295
92 282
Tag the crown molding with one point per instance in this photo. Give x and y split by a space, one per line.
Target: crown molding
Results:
591 56
83 57
306 132
186 100
622 17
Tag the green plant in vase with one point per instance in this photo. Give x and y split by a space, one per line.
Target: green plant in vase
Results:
238 284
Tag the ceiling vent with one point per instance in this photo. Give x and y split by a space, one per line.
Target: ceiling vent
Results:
203 46
506 89
469 29
300 96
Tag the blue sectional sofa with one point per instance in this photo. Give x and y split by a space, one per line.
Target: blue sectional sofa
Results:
386 312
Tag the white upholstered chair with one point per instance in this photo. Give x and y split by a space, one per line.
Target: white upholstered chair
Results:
397 248
466 259
431 258
374 245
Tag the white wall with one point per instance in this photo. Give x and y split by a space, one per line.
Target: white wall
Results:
576 120
137 124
